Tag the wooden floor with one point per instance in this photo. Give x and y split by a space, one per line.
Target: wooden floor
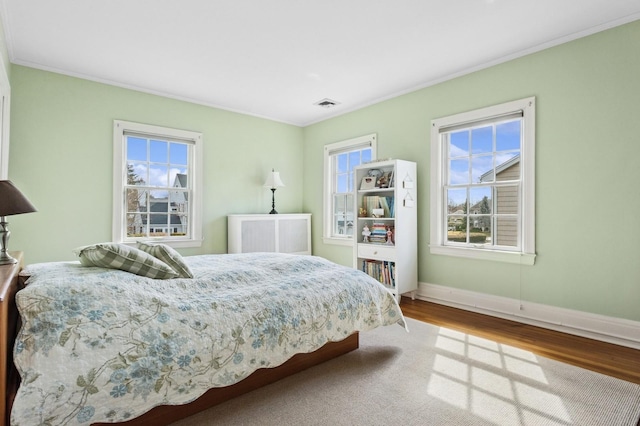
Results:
606 358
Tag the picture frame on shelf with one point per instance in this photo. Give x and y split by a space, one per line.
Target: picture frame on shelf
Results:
368 182
386 179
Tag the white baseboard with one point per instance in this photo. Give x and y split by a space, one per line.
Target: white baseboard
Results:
618 331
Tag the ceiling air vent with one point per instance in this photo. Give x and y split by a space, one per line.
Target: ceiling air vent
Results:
327 103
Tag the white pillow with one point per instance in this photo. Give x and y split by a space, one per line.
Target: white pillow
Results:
125 258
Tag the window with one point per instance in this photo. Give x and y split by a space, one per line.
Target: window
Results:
157 193
483 183
340 158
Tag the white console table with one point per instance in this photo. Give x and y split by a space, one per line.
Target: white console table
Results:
281 233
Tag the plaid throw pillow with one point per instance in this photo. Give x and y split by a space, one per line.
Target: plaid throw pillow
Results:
125 258
169 256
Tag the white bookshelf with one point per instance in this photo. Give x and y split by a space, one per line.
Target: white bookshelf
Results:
392 258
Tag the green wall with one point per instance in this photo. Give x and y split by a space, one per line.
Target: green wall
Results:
587 171
61 157
586 187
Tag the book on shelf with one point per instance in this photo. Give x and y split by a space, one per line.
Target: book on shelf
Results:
371 202
381 233
382 270
378 233
387 204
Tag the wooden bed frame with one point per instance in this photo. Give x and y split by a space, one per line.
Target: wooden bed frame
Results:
10 282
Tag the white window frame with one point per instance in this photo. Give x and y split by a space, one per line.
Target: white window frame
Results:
194 174
367 141
526 254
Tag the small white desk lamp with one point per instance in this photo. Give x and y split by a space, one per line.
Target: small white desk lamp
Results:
273 181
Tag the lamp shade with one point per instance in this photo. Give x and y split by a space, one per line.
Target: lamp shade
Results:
12 201
273 180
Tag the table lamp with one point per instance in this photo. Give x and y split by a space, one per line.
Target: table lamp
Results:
273 181
11 202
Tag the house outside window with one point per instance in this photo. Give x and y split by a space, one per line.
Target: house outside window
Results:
483 183
340 159
157 184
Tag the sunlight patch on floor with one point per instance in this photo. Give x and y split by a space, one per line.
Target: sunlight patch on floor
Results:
497 382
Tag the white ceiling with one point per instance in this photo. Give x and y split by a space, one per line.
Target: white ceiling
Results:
277 58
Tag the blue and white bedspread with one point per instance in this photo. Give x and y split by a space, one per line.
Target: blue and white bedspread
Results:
103 345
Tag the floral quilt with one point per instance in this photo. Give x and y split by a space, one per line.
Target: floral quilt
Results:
104 345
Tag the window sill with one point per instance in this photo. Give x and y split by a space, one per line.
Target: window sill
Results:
484 254
338 241
170 243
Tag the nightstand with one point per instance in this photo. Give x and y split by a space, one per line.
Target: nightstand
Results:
8 324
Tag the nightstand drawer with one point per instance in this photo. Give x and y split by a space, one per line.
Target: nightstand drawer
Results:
380 252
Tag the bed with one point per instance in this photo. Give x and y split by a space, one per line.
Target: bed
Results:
100 345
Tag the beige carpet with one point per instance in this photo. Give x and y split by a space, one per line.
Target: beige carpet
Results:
434 376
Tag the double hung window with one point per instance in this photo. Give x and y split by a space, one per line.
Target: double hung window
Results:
157 184
340 159
483 183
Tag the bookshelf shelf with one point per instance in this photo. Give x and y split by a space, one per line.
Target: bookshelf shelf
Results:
386 228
